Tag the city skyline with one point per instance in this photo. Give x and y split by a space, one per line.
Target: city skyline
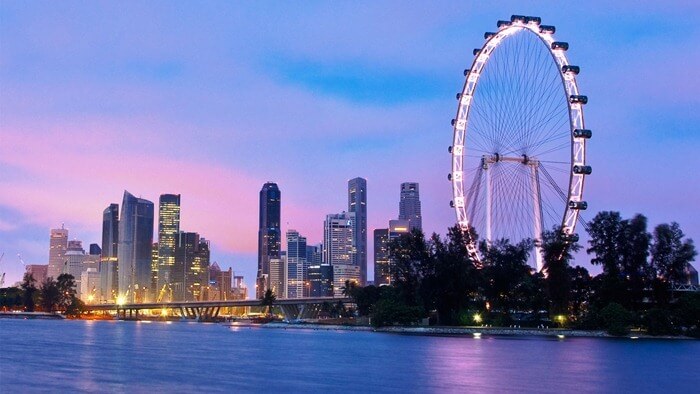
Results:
382 100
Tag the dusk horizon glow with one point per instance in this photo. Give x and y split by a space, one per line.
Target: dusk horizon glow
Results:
212 100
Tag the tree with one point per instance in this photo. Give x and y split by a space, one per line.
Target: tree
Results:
66 288
606 240
410 255
670 253
635 266
453 281
28 292
268 300
580 290
505 270
556 255
50 295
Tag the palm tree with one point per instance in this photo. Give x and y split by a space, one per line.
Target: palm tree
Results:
268 300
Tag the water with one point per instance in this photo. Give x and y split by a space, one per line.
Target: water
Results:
63 356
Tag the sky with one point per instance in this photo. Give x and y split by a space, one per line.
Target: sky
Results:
212 99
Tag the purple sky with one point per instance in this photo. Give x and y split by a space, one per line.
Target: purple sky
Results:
212 99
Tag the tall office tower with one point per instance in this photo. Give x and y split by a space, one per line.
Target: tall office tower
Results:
269 234
382 275
155 290
339 249
109 284
57 249
279 276
74 259
314 256
168 230
357 204
38 271
409 205
190 273
321 280
297 265
134 249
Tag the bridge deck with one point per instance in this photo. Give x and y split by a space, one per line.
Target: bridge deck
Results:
209 304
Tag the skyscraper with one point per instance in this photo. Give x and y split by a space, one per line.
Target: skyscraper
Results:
381 257
279 276
357 204
190 273
168 230
57 250
134 250
409 205
297 265
269 233
339 249
109 284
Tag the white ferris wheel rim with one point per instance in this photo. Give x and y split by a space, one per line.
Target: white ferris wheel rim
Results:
576 121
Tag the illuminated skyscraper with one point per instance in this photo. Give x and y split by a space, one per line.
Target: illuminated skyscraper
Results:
357 204
297 265
269 234
409 205
168 229
109 284
135 247
57 250
190 273
339 249
279 276
381 257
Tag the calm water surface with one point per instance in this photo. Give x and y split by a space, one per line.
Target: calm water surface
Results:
65 356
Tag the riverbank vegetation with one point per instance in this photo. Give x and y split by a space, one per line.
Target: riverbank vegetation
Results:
51 296
434 278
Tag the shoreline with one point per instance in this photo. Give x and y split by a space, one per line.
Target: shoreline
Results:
472 332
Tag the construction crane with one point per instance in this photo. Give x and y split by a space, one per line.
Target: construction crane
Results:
2 277
161 293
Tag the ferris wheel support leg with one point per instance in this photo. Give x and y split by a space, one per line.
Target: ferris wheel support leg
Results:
537 207
489 198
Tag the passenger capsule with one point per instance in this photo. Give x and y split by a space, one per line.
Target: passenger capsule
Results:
502 24
581 205
466 71
518 18
582 133
560 46
568 69
533 19
458 96
453 122
449 176
570 238
585 170
452 204
488 35
547 29
578 99
476 51
449 148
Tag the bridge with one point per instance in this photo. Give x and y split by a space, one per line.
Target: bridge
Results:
293 309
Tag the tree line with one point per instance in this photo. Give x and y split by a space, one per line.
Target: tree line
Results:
53 295
435 278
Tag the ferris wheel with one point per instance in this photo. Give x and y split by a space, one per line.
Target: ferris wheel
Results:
519 139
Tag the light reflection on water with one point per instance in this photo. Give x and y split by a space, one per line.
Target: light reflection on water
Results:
62 356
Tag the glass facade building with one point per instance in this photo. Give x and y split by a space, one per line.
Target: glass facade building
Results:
135 247
409 205
297 265
109 284
357 204
269 234
168 230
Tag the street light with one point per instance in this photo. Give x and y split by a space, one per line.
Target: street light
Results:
477 318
